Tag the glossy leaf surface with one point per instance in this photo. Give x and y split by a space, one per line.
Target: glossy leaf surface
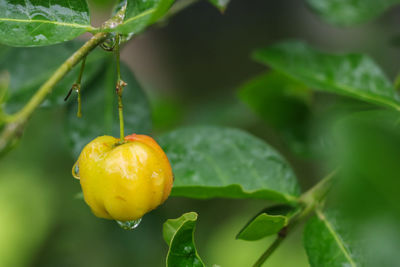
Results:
223 162
179 235
351 75
142 13
346 13
327 242
42 22
100 109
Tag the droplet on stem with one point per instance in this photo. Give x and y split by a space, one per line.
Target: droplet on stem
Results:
129 225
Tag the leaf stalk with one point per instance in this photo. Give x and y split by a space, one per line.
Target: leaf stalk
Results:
309 201
119 89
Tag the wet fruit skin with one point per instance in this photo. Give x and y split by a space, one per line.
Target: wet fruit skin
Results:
124 181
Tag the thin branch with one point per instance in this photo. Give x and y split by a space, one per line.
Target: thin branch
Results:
310 200
14 123
47 87
269 250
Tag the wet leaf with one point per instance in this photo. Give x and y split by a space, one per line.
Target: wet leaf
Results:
42 22
142 13
352 75
223 162
179 235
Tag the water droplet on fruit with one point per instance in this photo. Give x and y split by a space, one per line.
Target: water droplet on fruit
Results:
75 171
129 225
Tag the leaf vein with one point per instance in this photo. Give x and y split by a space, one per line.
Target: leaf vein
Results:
217 169
240 157
87 27
147 12
336 237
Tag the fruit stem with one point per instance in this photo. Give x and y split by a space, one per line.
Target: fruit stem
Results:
119 88
269 250
78 88
121 118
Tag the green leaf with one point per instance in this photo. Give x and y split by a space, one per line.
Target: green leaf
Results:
220 4
39 63
142 13
328 243
261 226
100 109
346 13
222 162
42 22
283 103
351 75
171 226
179 235
268 222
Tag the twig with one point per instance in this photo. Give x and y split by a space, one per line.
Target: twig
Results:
270 250
310 200
15 122
47 87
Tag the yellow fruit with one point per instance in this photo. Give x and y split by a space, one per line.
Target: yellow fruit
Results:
123 181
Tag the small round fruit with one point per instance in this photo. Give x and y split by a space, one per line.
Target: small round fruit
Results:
123 181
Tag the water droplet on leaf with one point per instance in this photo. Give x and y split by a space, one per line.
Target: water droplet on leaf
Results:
129 225
188 249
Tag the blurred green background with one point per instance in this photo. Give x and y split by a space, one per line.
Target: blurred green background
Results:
191 69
